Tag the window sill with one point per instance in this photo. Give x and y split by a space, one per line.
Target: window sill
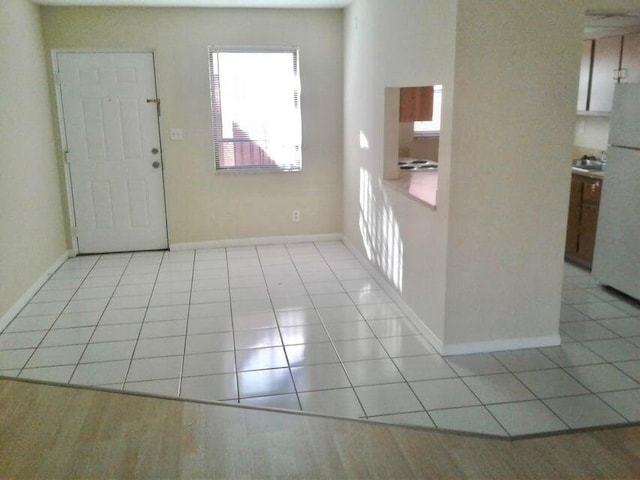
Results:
419 186
426 135
252 171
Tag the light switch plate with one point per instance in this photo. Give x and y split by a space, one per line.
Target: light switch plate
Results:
176 134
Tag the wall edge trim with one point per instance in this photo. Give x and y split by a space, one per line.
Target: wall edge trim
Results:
501 345
32 290
396 297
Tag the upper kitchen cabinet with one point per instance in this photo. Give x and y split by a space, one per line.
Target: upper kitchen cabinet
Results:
605 62
604 72
585 74
416 104
630 64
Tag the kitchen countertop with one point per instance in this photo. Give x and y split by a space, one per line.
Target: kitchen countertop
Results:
587 173
421 186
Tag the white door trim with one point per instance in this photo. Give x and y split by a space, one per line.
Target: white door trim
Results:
63 137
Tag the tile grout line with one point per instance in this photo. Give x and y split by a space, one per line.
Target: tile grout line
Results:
186 327
324 327
355 392
146 311
537 398
57 317
101 315
486 406
286 355
233 330
4 330
368 326
378 338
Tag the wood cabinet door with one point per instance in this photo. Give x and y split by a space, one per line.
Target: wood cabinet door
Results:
582 222
630 66
416 104
573 220
585 75
606 62
588 227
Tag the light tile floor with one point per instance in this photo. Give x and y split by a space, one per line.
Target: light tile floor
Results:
305 327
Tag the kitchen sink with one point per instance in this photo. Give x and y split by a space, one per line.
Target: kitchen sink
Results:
589 164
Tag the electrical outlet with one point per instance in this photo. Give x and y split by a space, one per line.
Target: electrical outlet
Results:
295 215
176 134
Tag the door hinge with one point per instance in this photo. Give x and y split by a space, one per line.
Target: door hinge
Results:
74 232
65 154
57 78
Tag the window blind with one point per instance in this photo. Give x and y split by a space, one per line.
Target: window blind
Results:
255 105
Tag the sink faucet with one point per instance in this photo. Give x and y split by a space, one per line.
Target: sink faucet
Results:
603 156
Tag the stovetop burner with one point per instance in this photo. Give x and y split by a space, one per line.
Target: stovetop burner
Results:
418 165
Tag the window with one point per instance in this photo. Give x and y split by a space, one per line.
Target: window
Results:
255 104
432 128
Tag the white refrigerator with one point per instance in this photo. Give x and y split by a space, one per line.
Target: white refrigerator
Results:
616 261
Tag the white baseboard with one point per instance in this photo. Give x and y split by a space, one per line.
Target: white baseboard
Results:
436 342
244 242
500 345
33 289
395 296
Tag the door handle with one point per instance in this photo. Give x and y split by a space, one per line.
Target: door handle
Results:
156 164
156 101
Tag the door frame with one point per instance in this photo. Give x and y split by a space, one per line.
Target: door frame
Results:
71 235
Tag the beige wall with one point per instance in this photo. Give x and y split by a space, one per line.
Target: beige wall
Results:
514 110
592 132
397 44
202 205
418 147
517 70
31 226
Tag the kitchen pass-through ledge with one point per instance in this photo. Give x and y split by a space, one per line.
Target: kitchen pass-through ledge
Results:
421 186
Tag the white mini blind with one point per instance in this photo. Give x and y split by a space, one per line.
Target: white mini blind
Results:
255 105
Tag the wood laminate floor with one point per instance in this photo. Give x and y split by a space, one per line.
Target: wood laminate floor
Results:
51 431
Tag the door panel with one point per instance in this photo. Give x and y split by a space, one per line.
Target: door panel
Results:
111 133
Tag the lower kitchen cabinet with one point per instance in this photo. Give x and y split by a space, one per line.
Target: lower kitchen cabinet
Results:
582 222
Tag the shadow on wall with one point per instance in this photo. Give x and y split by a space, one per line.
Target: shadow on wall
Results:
379 230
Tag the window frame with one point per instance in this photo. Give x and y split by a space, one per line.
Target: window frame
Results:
217 106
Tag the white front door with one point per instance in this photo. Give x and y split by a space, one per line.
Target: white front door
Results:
113 147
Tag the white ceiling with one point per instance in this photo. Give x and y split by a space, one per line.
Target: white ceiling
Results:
201 3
